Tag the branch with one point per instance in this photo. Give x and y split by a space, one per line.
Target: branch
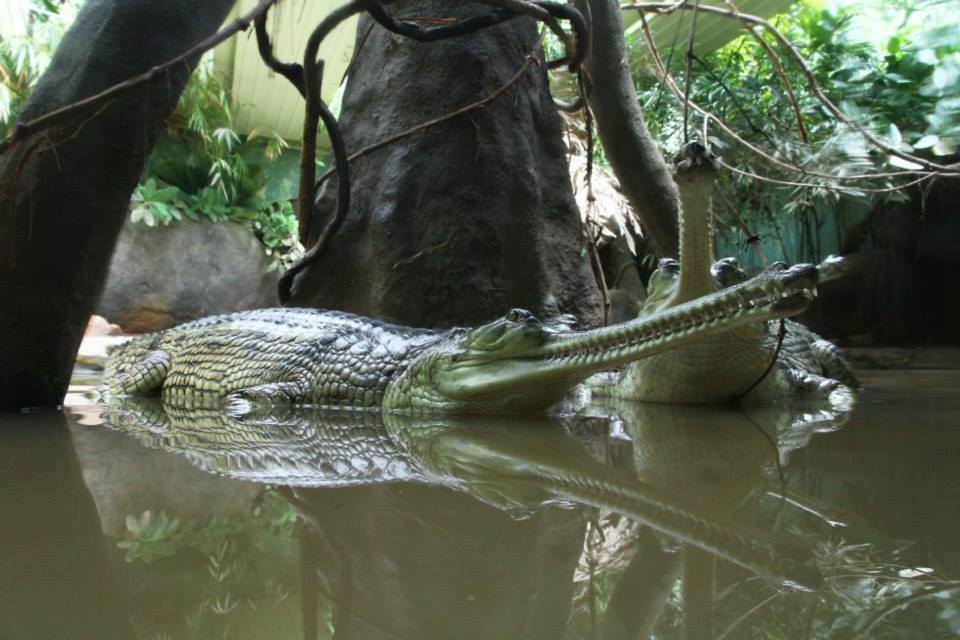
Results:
829 187
787 85
25 129
733 98
752 238
674 88
317 110
522 7
812 84
749 612
686 80
475 23
633 154
899 604
289 70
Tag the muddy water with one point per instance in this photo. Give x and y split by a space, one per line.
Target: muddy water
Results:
139 521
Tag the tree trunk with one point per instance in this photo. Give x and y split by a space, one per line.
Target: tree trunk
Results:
65 191
634 157
463 220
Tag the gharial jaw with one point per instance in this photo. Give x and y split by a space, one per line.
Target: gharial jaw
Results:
745 363
540 363
695 175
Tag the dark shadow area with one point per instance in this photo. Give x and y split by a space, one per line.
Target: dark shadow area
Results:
905 263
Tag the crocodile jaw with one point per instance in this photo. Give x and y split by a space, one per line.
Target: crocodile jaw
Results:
449 382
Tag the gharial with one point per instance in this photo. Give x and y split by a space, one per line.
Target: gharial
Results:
726 365
514 364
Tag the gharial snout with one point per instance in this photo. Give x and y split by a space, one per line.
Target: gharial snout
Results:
800 281
800 275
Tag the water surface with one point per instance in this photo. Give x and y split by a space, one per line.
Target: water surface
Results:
139 521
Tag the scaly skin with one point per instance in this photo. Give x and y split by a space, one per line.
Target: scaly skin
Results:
515 364
724 366
289 447
517 466
806 360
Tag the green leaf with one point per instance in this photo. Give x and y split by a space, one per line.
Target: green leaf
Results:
900 163
944 148
137 215
239 214
893 133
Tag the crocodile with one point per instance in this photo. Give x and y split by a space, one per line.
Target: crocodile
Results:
517 465
727 365
515 364
805 360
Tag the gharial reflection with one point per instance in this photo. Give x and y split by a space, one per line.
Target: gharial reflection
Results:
537 528
514 466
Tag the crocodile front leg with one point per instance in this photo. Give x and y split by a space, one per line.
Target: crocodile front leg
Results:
145 377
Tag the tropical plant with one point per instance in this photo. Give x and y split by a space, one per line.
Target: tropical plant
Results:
900 77
206 170
202 168
149 538
24 58
209 568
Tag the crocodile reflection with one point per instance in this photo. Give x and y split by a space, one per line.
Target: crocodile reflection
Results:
515 466
293 447
726 456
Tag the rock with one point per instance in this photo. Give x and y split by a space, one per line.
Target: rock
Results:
99 326
466 219
163 276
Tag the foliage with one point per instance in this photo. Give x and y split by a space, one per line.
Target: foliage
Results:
868 593
23 59
276 226
205 170
214 562
149 538
154 203
900 77
201 168
911 84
